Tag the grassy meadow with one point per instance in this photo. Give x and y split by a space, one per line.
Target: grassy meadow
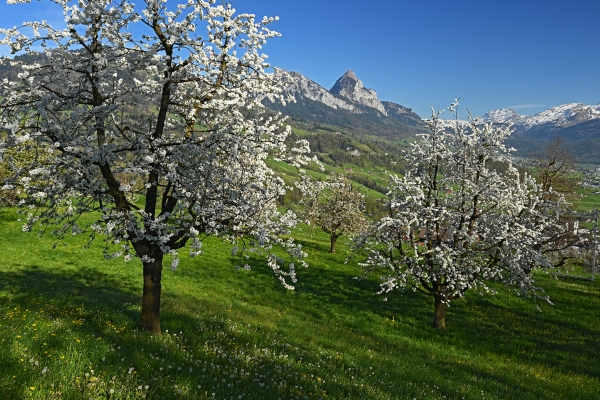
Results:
68 322
589 201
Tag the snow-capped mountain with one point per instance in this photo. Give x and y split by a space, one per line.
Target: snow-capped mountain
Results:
575 121
560 116
563 116
502 116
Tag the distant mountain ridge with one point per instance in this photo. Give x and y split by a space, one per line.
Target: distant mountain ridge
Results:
574 122
301 85
349 105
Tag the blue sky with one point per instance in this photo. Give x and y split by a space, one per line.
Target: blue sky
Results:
528 55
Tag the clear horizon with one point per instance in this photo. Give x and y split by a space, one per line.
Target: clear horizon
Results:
524 55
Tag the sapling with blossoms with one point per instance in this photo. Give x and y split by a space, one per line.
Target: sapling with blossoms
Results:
163 106
333 205
454 223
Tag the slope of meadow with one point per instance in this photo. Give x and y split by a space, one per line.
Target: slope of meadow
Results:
68 331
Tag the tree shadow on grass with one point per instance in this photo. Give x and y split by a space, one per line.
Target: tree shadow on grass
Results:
387 346
83 331
89 330
513 328
479 328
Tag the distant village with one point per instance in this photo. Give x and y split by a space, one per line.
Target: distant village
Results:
591 179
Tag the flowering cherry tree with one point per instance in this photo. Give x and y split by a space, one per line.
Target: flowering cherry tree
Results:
455 224
334 206
150 116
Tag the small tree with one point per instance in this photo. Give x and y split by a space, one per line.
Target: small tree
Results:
555 168
454 223
164 103
333 205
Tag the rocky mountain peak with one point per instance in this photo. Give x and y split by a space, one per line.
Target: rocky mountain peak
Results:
300 86
350 74
352 88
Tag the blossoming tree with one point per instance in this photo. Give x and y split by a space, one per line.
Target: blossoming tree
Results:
163 106
455 224
334 206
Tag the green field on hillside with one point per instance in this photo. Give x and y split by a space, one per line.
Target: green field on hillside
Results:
68 323
590 201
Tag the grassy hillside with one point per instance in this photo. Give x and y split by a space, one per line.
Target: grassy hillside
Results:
366 160
68 331
590 200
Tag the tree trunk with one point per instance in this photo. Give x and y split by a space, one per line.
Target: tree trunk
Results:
333 239
439 319
151 295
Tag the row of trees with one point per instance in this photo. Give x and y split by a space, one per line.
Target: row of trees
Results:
195 156
462 216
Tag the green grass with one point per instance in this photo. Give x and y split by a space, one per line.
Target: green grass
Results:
590 201
290 173
68 331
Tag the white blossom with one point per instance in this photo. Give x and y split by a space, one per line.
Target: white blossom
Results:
163 105
455 222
